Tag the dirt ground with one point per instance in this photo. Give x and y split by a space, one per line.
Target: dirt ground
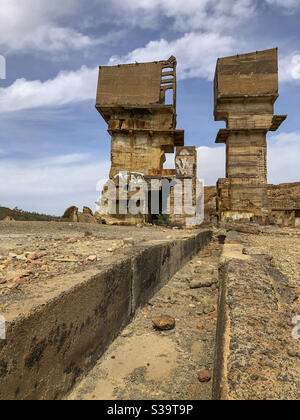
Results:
32 252
145 363
284 247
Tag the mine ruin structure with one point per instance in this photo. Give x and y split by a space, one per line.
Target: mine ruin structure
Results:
132 99
246 88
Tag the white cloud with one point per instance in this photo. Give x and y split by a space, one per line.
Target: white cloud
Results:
55 26
51 184
287 4
284 157
196 53
211 164
289 68
52 39
67 87
185 14
35 26
62 160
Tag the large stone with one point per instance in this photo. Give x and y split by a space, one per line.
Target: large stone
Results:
8 219
71 213
200 283
204 376
86 218
87 210
164 322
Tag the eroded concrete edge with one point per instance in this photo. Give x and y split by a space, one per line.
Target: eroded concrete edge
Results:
256 357
50 347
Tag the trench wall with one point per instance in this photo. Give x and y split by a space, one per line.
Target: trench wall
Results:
53 340
256 356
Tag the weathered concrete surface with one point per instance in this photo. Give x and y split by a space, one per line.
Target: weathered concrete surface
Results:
246 88
256 356
132 100
68 322
144 363
37 251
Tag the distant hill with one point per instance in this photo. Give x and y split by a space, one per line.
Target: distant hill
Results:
25 216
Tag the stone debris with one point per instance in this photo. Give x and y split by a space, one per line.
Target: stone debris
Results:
92 258
86 218
87 210
71 214
149 365
51 249
198 284
204 376
164 322
8 219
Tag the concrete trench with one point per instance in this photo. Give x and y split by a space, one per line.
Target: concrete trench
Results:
90 336
58 335
148 364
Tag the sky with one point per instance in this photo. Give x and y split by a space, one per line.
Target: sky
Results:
54 147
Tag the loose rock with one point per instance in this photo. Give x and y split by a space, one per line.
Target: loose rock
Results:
198 284
164 322
204 376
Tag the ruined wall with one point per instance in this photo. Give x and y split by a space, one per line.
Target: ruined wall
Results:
246 156
132 100
248 74
246 88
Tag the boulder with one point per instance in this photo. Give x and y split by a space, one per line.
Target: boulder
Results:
87 210
71 213
8 219
86 218
164 322
198 284
204 376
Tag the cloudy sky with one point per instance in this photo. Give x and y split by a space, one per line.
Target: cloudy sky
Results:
54 148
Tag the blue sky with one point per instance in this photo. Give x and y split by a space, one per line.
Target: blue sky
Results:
54 148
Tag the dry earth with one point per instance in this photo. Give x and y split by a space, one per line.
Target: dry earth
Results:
32 252
144 363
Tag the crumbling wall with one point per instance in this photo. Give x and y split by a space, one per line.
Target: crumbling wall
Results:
255 351
246 88
132 100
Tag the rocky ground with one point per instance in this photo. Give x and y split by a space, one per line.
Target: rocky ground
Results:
147 363
35 251
284 247
263 296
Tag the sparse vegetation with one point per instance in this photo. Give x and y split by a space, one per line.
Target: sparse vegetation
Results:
162 219
25 216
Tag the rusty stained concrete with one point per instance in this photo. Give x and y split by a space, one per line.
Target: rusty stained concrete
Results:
132 100
246 88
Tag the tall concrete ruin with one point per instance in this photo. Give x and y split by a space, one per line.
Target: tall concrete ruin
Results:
246 88
132 100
